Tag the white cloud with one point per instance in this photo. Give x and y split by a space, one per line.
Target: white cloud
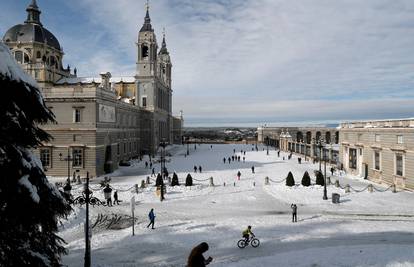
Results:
259 58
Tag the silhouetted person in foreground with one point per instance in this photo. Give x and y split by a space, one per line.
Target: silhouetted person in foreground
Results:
196 258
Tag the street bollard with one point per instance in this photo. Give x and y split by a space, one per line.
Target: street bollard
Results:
337 183
347 188
266 180
142 184
393 188
211 181
370 188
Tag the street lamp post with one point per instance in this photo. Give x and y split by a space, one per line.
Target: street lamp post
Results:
320 144
163 144
85 199
68 158
188 140
267 145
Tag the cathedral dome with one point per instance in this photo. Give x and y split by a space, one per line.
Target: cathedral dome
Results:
29 32
32 30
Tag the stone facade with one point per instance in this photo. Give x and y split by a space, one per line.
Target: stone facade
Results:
101 121
302 140
382 151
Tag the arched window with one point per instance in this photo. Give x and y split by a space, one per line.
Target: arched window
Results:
52 61
38 54
318 136
26 58
299 137
18 55
308 137
144 51
328 137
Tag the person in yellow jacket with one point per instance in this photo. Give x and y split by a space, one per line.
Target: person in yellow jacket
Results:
247 233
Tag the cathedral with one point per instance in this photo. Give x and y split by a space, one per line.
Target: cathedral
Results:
102 121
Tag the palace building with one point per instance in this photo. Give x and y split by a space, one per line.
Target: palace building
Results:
104 120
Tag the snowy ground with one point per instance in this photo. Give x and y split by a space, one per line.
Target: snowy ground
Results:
365 229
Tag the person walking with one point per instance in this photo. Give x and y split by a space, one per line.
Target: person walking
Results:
252 169
278 153
199 169
151 217
229 160
332 171
238 175
116 201
196 258
150 164
224 160
244 158
153 172
294 212
195 168
107 194
146 164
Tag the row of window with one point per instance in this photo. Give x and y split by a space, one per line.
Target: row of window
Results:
398 161
399 139
127 147
77 157
23 57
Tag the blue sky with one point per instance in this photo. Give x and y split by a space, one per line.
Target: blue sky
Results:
249 61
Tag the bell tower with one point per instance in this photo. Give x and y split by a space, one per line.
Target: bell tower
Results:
147 49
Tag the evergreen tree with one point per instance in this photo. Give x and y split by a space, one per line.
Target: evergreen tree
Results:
290 181
189 180
306 181
319 178
159 181
30 207
174 180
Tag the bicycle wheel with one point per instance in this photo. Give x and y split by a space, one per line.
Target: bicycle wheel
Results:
255 242
241 243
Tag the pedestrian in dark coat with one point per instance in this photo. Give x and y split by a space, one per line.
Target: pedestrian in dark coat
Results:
278 153
146 164
116 201
238 175
332 170
153 172
232 158
195 169
107 194
252 169
150 164
244 158
151 217
199 169
238 158
196 258
224 160
294 212
229 160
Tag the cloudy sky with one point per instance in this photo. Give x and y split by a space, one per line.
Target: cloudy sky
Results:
251 61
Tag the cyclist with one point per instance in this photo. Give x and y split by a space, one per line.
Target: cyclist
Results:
247 233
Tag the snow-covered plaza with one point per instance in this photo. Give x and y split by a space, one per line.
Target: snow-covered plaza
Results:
364 229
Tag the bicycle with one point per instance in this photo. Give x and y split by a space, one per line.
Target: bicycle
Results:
254 242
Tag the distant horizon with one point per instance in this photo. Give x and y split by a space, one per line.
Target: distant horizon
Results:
252 124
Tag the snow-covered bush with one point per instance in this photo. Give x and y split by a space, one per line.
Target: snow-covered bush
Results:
189 180
306 181
319 178
290 181
30 207
174 180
